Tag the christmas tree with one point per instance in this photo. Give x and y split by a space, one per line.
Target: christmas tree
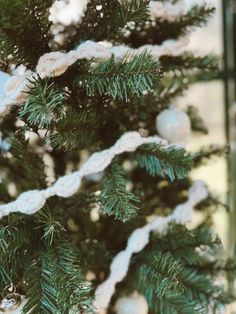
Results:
95 190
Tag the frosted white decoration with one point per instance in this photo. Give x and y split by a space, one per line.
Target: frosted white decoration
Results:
32 201
174 125
135 304
139 239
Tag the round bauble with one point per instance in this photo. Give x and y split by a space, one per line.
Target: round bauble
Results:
12 305
173 125
135 304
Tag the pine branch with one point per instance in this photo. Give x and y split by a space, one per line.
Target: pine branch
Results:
115 199
52 227
165 292
42 295
28 163
105 20
74 130
192 68
166 273
56 283
157 31
25 40
121 79
44 103
15 238
205 154
134 10
157 160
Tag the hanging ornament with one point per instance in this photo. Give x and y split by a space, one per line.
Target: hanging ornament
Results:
173 125
11 302
135 304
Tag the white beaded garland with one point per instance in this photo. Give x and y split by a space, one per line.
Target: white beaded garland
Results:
173 125
135 304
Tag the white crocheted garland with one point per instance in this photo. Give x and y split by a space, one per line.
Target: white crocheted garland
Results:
56 63
171 11
32 201
140 238
73 11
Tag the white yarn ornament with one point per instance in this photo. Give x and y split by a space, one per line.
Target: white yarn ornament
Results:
173 125
139 239
32 201
135 304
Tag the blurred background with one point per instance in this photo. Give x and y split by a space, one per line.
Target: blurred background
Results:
216 103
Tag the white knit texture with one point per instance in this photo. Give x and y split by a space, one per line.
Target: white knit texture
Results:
56 63
73 11
139 239
32 201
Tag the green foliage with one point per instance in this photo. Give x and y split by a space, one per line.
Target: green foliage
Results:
164 293
15 237
121 79
44 103
74 129
207 153
115 199
172 162
51 227
167 277
29 164
191 67
105 20
155 32
55 281
134 10
27 38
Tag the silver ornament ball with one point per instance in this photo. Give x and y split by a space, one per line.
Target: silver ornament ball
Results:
135 304
173 125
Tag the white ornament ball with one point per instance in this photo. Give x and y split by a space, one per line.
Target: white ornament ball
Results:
173 125
135 304
18 309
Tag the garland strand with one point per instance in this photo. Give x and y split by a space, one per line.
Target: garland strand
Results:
73 11
140 238
32 201
56 63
